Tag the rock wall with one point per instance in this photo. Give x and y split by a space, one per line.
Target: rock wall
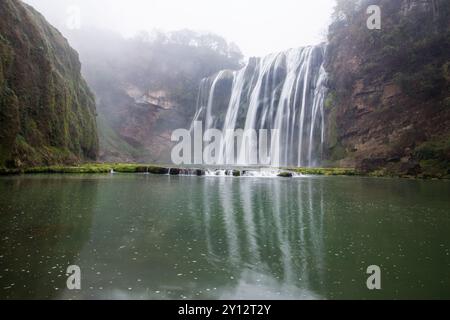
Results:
388 107
47 112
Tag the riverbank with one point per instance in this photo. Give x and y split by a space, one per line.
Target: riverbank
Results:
99 168
89 168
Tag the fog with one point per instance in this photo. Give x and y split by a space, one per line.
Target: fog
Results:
257 27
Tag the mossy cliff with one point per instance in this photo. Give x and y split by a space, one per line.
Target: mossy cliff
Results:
47 112
388 107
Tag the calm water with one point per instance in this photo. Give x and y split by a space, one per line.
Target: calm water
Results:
159 237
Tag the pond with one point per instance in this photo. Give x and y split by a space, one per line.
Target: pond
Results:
138 236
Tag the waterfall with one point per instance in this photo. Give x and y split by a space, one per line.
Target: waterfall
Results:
283 91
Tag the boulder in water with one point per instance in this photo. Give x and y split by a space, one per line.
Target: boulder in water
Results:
200 172
285 175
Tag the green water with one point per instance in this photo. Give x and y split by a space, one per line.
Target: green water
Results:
160 237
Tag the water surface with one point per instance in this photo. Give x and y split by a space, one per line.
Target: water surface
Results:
160 237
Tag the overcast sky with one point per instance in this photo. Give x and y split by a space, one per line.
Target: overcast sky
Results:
258 27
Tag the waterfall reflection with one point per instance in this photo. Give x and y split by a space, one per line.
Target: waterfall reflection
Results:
272 232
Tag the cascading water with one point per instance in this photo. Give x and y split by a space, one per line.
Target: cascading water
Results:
283 91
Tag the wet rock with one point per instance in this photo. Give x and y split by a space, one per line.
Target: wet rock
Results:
200 172
174 172
141 169
285 175
158 170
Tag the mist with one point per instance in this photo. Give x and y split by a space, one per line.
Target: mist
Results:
257 27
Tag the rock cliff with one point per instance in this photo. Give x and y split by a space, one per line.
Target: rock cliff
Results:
388 106
47 112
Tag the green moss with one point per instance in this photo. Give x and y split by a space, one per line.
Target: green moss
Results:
126 168
72 170
327 171
331 100
332 129
335 150
91 168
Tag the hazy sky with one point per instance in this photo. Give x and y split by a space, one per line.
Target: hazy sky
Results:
258 27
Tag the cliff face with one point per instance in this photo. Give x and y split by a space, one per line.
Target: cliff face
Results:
47 113
388 108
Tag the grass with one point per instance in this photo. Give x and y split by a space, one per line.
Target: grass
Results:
327 171
89 168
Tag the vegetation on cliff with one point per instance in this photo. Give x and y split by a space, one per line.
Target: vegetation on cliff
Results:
389 96
47 113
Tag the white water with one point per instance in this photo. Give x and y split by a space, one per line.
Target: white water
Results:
283 91
253 173
243 173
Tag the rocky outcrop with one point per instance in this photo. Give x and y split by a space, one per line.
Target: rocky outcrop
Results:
47 113
136 126
389 89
